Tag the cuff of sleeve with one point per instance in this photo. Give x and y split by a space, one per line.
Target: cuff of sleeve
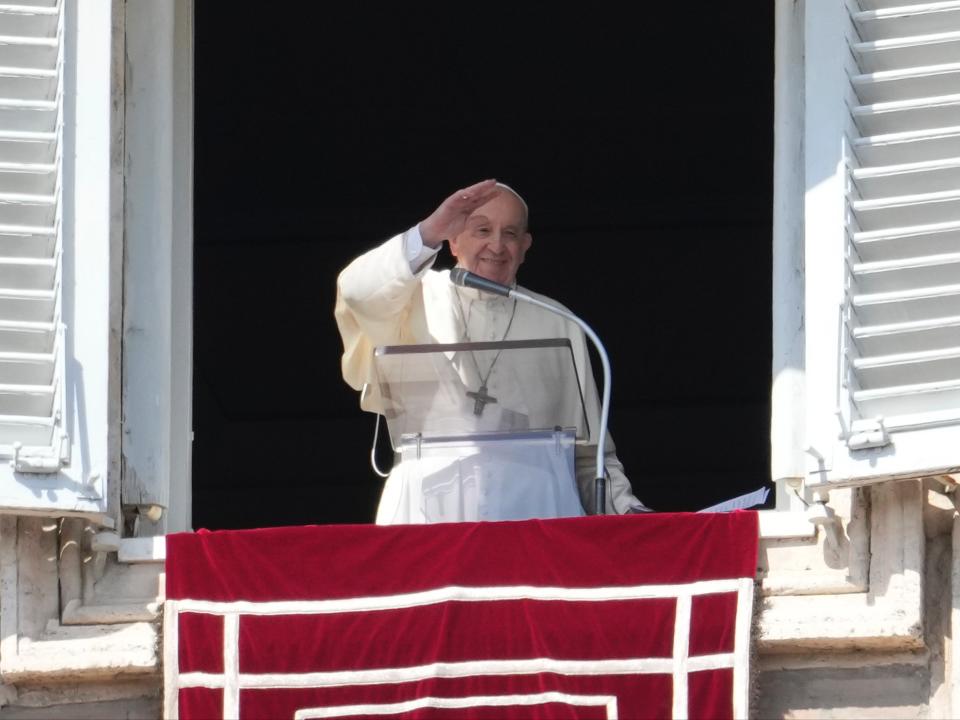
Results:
418 255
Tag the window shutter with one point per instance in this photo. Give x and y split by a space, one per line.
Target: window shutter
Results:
54 114
882 239
31 337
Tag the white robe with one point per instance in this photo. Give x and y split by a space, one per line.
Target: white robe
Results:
381 301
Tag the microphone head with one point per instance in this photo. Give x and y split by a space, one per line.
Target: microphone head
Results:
464 278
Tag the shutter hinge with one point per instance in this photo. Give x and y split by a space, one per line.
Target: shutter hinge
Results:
866 434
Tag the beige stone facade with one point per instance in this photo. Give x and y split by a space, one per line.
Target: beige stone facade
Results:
855 617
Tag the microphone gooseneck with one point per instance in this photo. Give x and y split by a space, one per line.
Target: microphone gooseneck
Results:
464 278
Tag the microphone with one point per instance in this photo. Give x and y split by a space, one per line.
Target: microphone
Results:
464 278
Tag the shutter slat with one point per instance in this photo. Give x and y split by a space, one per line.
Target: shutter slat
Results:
26 400
27 368
915 146
909 305
27 86
881 4
909 21
26 21
888 86
886 371
900 53
923 419
15 41
28 431
903 242
31 210
27 273
33 246
35 152
29 115
28 52
46 7
29 337
910 358
929 334
36 4
916 399
26 306
45 136
891 275
906 115
33 178
908 210
928 176
29 74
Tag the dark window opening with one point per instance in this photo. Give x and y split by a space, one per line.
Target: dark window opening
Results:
643 147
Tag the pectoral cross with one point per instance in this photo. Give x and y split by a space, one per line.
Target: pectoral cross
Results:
480 399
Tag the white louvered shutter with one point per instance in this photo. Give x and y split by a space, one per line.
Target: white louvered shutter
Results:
50 86
31 340
882 239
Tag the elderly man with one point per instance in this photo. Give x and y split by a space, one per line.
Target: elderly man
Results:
391 296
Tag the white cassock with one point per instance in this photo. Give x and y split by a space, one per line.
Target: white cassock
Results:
382 300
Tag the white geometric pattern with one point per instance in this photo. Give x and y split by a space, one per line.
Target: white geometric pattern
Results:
232 681
465 702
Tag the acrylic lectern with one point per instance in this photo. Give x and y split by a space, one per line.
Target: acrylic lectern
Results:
481 430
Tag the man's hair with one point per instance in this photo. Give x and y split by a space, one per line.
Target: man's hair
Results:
523 204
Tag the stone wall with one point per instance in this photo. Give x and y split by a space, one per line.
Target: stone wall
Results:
856 609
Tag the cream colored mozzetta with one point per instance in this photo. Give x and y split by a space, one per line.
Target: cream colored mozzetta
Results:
883 204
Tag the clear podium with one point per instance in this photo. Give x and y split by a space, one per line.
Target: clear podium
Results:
482 430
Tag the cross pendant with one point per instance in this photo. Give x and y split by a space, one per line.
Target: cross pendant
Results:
480 399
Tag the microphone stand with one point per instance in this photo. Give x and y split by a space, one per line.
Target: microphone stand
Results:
465 278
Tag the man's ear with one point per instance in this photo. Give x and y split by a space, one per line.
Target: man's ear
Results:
454 243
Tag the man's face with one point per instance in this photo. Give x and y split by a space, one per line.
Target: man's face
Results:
495 240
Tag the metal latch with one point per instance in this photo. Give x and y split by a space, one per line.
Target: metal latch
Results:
866 434
50 461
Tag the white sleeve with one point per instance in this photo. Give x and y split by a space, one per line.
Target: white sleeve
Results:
418 255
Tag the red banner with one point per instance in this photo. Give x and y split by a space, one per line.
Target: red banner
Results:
637 616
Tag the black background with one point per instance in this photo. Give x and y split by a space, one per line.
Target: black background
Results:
642 141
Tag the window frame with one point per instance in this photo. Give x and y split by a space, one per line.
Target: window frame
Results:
157 325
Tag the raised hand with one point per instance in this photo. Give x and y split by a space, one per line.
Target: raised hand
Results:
450 218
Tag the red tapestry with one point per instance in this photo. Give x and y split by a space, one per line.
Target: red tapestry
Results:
638 616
